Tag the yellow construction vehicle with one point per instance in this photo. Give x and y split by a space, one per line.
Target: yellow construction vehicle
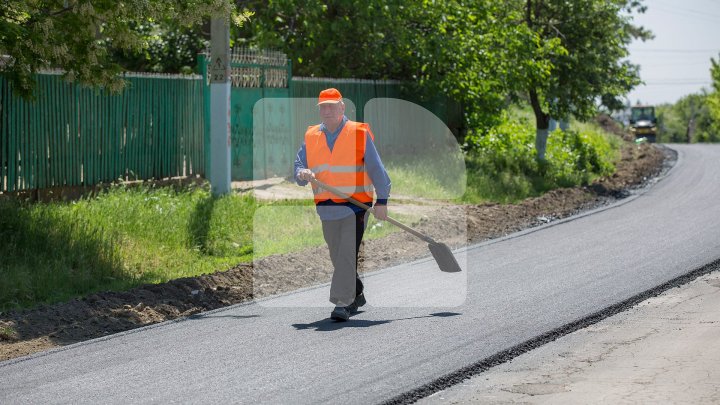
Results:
643 123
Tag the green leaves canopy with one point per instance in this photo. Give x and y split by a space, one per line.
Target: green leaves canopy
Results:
474 50
714 97
592 69
564 56
78 35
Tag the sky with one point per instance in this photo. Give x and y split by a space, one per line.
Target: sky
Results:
677 61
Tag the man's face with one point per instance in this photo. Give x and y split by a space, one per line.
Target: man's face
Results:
332 114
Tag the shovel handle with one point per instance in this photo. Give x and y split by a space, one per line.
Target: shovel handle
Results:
402 226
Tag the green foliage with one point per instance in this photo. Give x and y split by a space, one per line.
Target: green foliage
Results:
578 157
168 48
324 38
423 181
301 227
50 254
438 175
81 37
690 119
307 230
119 239
472 50
695 117
509 147
562 56
8 333
502 164
713 99
594 35
591 61
128 236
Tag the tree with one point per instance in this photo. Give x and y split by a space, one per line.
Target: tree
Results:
79 36
589 67
714 98
688 120
169 47
472 50
477 52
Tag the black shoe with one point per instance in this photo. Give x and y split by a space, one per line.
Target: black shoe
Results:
340 314
359 301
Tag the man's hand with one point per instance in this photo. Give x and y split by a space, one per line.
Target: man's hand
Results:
380 212
305 175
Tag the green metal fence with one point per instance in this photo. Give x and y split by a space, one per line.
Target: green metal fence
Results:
357 90
158 128
394 135
258 149
360 92
72 136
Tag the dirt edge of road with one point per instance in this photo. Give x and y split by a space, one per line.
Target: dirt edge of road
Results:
101 314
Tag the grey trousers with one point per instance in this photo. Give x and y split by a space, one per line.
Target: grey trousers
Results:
343 237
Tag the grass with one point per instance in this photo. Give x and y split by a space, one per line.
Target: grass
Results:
430 177
301 228
126 237
502 165
116 240
7 333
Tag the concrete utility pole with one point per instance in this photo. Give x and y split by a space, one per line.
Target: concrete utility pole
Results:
219 106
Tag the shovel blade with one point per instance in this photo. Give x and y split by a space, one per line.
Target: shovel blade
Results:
444 257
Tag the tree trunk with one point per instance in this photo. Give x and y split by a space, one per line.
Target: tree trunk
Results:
542 125
691 123
542 119
690 129
541 136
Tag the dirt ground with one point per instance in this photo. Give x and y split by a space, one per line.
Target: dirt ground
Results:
97 315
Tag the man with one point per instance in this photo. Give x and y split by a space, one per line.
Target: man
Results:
341 153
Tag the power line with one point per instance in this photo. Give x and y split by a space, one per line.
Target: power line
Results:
659 50
681 13
645 64
713 2
677 84
687 10
678 79
690 81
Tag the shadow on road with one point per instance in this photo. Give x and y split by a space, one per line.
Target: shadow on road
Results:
327 325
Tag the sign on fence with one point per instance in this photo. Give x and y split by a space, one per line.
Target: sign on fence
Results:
259 149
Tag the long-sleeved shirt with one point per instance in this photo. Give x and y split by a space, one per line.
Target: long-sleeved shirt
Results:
329 210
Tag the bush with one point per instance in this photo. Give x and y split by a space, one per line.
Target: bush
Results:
502 165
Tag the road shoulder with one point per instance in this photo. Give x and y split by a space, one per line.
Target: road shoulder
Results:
663 350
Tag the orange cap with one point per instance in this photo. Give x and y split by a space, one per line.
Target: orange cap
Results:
331 95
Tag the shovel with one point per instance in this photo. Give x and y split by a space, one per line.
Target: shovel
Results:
440 251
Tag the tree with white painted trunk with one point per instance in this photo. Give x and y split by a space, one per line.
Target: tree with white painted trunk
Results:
589 67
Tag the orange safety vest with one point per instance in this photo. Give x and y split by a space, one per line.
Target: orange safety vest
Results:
344 167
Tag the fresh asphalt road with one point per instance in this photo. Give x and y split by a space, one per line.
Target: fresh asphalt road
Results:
423 324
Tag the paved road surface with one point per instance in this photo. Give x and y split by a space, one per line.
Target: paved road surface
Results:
513 290
663 351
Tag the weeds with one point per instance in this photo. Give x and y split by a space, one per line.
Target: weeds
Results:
118 239
125 237
502 165
8 333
